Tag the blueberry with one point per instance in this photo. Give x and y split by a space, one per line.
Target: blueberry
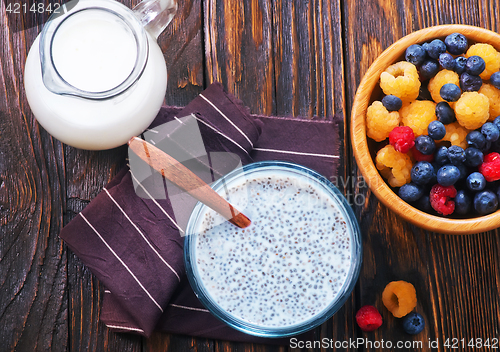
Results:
441 156
392 102
495 80
448 175
456 155
456 43
415 54
470 83
487 146
447 61
496 121
436 48
475 139
445 113
410 192
424 203
429 69
425 144
462 202
460 62
413 323
436 130
463 171
485 202
475 65
422 173
473 157
490 131
450 92
476 181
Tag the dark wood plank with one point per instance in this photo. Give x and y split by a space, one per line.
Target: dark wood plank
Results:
308 58
160 342
182 46
238 47
33 305
456 277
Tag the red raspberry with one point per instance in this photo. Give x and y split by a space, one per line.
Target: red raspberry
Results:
402 138
441 199
421 157
490 168
368 318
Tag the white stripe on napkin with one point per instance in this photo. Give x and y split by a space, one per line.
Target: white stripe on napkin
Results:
296 153
231 122
144 237
124 328
121 261
154 201
222 134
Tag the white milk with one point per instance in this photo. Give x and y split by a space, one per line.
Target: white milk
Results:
289 265
93 51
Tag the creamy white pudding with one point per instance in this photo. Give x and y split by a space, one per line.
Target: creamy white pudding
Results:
289 265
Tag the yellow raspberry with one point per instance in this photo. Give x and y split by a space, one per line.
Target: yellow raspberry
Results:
439 80
472 110
400 298
455 134
394 166
418 115
380 122
490 56
493 95
401 80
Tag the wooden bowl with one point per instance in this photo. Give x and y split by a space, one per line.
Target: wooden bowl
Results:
368 91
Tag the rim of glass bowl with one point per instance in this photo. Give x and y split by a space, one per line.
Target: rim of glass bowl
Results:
325 314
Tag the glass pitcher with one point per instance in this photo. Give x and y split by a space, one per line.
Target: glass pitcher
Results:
95 75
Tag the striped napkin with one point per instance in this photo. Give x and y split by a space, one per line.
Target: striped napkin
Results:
132 243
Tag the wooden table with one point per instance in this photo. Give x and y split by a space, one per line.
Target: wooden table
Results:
281 58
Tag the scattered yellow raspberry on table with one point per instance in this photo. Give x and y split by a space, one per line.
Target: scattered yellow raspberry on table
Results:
439 80
418 114
472 110
394 166
401 80
400 298
380 122
493 95
490 56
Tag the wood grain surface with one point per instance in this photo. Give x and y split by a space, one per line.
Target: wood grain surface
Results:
282 58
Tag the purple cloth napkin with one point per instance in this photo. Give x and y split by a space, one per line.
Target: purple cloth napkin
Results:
132 244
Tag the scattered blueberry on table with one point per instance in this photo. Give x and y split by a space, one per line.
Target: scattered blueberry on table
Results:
413 323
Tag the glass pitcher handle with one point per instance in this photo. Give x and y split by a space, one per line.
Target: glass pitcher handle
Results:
155 15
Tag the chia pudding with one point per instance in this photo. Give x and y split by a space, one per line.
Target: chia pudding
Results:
290 265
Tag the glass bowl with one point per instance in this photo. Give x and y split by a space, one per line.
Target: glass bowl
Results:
215 265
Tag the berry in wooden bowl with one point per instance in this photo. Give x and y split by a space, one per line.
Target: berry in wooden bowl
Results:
436 80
